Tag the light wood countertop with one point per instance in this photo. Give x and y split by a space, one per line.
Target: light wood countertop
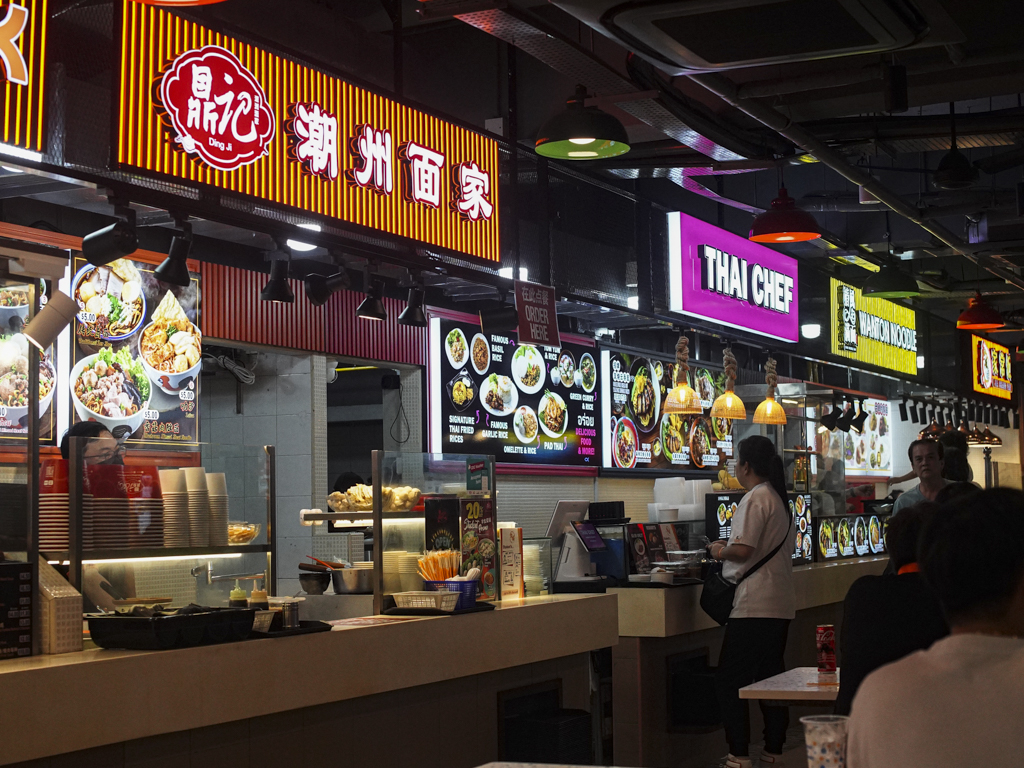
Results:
650 612
63 703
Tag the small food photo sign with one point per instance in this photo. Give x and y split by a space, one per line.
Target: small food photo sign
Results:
136 353
639 435
800 509
849 536
511 551
14 410
479 536
719 510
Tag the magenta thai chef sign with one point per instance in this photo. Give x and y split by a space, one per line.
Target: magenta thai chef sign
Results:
718 276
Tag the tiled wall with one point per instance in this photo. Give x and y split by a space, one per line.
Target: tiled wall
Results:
277 409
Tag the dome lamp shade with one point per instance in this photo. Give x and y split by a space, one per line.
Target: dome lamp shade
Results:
979 316
683 398
580 132
727 405
891 282
769 411
784 223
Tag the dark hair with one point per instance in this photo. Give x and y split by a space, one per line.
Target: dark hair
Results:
955 491
759 452
925 441
904 532
955 439
346 480
974 573
955 465
80 429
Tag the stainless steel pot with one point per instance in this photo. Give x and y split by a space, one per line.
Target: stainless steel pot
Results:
353 581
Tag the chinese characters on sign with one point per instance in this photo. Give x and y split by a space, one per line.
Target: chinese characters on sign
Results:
873 331
992 368
538 323
342 153
23 26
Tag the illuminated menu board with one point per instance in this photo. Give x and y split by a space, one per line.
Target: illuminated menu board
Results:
521 403
14 409
873 331
991 368
868 452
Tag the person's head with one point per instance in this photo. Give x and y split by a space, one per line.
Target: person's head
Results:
103 447
955 491
955 439
346 480
758 462
971 555
955 466
926 459
904 532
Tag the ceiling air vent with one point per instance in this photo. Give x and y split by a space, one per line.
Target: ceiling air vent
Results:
710 35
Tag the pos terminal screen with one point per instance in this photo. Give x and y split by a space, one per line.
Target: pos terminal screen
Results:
592 540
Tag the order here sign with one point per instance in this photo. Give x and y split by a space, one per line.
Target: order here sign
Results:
538 322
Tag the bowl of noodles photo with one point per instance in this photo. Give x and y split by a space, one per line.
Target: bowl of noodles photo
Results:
171 347
14 379
112 389
111 302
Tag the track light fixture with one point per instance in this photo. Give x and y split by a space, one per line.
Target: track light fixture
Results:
372 307
903 410
319 289
174 269
502 319
845 419
912 411
57 315
1016 420
862 416
829 419
413 314
277 288
114 241
940 417
971 415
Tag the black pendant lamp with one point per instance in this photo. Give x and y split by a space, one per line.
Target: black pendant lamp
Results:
581 133
955 170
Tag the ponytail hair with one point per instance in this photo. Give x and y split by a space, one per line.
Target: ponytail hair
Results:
759 452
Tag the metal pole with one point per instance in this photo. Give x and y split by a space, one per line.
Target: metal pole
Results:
76 474
378 536
32 485
272 517
988 468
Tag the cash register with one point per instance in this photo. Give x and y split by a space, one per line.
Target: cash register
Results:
576 542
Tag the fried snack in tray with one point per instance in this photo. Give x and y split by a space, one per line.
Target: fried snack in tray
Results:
359 498
403 498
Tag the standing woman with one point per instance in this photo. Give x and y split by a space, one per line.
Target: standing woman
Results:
755 635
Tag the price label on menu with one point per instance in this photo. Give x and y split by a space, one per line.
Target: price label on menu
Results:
151 415
186 395
521 403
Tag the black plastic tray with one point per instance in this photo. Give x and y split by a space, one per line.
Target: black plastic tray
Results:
304 628
479 608
160 633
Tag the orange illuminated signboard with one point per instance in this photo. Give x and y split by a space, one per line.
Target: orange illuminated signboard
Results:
22 52
991 368
205 108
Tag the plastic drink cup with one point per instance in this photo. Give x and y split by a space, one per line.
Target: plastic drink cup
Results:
825 736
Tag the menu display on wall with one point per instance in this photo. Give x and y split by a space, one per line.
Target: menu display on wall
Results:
850 536
14 409
868 452
719 510
991 367
800 508
136 354
518 402
639 436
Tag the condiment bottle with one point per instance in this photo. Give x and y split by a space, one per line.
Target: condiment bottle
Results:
258 600
237 598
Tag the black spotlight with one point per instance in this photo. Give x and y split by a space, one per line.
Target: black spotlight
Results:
940 417
114 242
319 288
971 415
903 410
372 307
986 414
1006 419
922 412
1016 420
277 288
413 312
828 421
912 410
503 319
174 269
845 419
958 414
860 418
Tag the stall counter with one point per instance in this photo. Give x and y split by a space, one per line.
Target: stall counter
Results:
82 700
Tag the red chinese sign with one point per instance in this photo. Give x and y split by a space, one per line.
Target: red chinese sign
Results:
538 321
229 115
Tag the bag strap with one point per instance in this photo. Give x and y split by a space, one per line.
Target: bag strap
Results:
769 556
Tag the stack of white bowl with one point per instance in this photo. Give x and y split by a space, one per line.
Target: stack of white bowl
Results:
392 566
408 572
533 574
217 486
198 507
175 494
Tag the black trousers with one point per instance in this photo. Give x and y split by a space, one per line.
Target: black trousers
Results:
753 649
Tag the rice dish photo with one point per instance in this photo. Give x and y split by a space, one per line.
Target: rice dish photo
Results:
455 344
700 442
481 354
171 343
674 429
499 394
110 300
526 425
624 449
528 368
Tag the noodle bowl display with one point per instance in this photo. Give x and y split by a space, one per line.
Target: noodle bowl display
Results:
14 379
112 389
111 301
171 347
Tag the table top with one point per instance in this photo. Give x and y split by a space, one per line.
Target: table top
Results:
798 684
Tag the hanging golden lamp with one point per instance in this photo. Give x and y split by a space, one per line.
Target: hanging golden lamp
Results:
769 411
683 398
974 437
727 405
990 438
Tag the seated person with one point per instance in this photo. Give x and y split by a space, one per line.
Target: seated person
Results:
886 617
961 702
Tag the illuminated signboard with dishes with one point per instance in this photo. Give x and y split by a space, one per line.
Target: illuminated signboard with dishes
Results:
868 452
718 276
205 108
22 53
873 331
991 368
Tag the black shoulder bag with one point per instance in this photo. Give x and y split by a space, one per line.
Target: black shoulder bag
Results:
718 594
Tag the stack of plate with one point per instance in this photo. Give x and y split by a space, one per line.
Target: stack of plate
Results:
363 564
175 493
145 522
533 574
110 522
408 572
198 507
53 522
218 490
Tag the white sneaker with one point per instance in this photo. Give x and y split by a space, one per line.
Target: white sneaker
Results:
768 760
738 762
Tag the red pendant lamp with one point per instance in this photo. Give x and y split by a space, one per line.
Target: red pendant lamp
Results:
979 316
784 223
178 3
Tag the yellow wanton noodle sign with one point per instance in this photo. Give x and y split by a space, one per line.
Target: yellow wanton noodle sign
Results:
873 331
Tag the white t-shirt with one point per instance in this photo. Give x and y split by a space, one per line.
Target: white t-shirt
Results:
960 703
761 522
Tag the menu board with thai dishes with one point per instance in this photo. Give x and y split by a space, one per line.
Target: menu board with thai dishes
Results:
719 509
850 536
518 402
638 435
868 452
14 407
137 353
800 508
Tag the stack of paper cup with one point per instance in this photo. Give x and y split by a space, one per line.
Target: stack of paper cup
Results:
408 572
218 489
175 493
198 507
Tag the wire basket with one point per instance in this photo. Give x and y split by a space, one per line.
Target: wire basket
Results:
465 589
440 600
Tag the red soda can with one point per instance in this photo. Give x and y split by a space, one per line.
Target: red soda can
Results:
826 643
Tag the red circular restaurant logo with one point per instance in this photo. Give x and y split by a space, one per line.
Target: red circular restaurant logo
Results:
217 109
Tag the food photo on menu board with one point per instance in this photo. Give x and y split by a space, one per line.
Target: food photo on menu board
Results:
14 395
137 353
518 402
638 435
868 452
800 509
